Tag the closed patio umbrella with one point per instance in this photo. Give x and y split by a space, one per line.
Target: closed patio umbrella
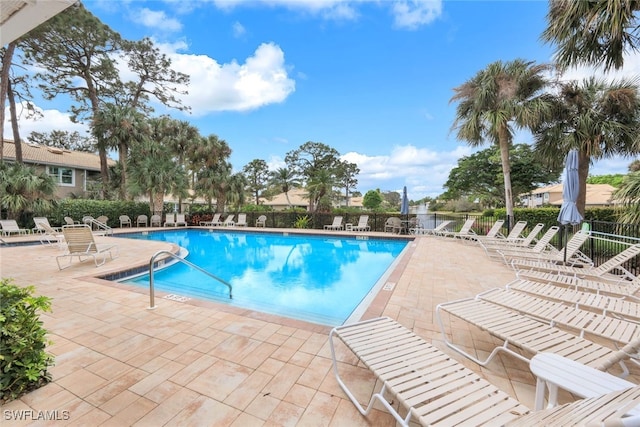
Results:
404 208
569 213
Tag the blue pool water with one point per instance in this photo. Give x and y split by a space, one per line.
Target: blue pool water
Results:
313 278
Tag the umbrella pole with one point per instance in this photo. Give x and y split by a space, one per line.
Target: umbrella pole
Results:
566 239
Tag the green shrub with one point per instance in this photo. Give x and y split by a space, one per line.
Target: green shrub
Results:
302 222
23 359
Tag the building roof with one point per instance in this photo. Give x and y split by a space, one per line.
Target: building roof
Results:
597 194
18 17
45 155
297 196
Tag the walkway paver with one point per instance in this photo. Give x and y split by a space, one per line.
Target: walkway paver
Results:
201 363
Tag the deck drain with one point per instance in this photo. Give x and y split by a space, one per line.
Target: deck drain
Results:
388 286
174 297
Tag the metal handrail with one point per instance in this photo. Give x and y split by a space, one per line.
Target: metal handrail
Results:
152 303
107 230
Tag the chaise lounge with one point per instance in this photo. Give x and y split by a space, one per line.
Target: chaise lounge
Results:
434 389
81 244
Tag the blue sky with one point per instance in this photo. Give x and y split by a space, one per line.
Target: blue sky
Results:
372 79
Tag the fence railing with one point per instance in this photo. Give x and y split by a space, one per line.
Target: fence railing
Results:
607 238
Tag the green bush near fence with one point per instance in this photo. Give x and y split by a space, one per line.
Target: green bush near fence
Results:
549 216
78 208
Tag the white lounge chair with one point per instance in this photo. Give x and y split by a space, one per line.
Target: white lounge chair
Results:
492 245
465 231
529 335
10 227
81 243
442 227
432 388
494 232
261 221
604 270
601 286
621 307
228 221
336 225
49 235
242 220
215 221
556 313
362 225
181 220
571 252
41 222
170 220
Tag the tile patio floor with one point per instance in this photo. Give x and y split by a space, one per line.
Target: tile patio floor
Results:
205 364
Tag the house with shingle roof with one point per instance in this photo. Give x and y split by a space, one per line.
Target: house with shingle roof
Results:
73 171
598 195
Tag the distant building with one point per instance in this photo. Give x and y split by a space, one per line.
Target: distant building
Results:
73 171
299 198
598 195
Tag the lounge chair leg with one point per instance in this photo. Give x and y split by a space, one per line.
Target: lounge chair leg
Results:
379 395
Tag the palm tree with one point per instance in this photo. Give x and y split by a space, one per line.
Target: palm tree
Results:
592 32
119 127
153 169
629 195
497 99
23 189
285 179
597 118
320 188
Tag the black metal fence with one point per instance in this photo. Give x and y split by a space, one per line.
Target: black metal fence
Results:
607 238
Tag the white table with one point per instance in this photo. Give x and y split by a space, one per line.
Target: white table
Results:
555 371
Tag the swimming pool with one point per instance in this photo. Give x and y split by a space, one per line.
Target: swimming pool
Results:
314 278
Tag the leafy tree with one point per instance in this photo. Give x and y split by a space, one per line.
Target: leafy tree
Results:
257 174
22 189
347 173
320 187
372 199
285 179
634 166
312 161
392 199
154 77
498 99
7 57
75 50
592 32
63 139
612 180
479 176
153 168
629 196
236 192
119 127
209 162
597 118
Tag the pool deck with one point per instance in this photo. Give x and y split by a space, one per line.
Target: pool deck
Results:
201 363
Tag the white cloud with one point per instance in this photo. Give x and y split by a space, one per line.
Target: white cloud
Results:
238 30
407 14
412 14
261 80
422 170
50 120
630 70
158 20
